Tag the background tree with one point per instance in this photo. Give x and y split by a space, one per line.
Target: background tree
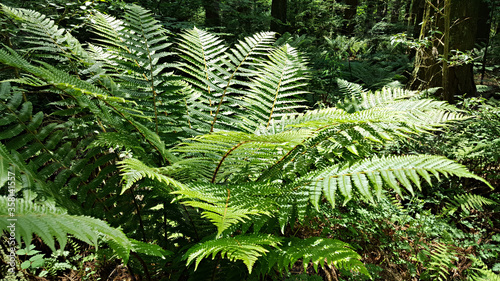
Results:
450 27
278 14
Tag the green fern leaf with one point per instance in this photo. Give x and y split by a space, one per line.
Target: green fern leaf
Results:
467 202
247 248
277 87
134 170
318 251
393 171
222 212
48 222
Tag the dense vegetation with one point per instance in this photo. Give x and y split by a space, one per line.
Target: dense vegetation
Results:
239 140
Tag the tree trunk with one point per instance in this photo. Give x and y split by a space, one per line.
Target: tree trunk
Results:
349 15
278 14
417 15
483 24
431 61
212 13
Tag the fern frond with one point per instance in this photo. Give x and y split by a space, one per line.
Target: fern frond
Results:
369 176
218 75
49 222
484 275
227 205
135 53
467 202
350 89
247 248
441 262
149 249
315 250
67 83
133 170
481 272
232 151
277 87
46 37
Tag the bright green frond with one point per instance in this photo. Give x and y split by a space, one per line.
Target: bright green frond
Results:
277 88
370 175
247 248
227 205
45 37
315 250
467 202
49 222
133 170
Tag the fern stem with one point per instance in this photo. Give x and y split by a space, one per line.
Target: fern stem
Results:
275 99
144 265
216 265
152 79
141 223
225 89
224 157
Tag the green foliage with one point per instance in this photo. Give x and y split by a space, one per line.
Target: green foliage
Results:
48 222
222 162
318 251
467 202
247 248
441 262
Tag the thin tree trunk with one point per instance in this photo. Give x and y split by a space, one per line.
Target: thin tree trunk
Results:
212 13
278 14
432 67
447 93
349 15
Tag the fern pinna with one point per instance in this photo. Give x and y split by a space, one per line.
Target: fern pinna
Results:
213 167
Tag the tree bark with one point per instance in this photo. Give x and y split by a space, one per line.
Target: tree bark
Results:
431 60
212 13
278 14
349 14
483 24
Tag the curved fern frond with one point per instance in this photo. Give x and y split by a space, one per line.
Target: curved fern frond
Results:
136 54
221 214
372 174
134 170
48 222
315 250
227 205
232 151
350 89
441 261
482 272
46 37
247 248
67 83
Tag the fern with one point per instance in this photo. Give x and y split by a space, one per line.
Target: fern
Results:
49 222
221 77
46 39
482 273
467 202
134 52
216 163
134 170
315 250
441 262
395 172
247 248
224 211
276 89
